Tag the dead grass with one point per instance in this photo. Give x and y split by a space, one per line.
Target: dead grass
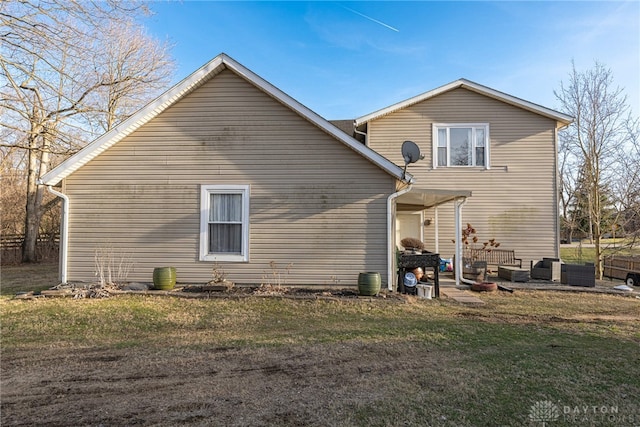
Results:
269 361
27 277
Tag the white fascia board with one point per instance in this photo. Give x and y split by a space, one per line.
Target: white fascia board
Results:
406 103
561 119
178 91
148 112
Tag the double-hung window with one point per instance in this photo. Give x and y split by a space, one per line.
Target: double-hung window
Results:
460 145
224 223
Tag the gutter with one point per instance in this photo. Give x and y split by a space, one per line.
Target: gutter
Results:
390 238
556 194
64 235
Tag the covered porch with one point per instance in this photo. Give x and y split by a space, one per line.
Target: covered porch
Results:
408 220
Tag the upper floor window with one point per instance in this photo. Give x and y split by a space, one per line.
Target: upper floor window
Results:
461 145
224 223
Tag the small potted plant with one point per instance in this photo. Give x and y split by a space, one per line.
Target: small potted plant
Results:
472 268
412 244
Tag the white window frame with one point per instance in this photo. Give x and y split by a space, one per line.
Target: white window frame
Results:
205 200
474 126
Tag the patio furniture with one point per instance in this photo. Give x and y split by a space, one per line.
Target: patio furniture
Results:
474 270
513 274
579 275
547 269
496 257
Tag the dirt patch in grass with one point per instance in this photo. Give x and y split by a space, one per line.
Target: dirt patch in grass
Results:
351 383
324 384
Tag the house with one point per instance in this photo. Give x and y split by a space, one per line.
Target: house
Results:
500 148
225 171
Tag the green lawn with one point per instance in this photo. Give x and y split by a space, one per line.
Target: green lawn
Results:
587 253
465 365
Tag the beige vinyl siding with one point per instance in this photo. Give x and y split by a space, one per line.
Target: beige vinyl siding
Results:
514 201
317 208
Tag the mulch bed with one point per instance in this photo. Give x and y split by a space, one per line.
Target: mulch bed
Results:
95 290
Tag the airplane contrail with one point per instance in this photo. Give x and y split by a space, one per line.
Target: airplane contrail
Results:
370 19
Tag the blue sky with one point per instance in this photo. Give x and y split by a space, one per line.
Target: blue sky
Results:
347 59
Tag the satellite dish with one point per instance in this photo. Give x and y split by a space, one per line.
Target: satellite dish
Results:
410 154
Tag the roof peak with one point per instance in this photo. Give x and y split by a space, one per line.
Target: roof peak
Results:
185 87
561 119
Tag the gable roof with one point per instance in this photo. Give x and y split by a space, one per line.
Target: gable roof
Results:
561 119
188 85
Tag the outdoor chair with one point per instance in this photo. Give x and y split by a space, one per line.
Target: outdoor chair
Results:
547 269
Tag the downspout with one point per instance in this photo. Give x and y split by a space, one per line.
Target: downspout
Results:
391 250
64 235
366 135
458 264
556 198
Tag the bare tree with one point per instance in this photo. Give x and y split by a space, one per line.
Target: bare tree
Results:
11 193
568 191
626 188
69 68
600 111
136 64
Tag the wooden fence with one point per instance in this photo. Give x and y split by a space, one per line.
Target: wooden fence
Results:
47 248
617 266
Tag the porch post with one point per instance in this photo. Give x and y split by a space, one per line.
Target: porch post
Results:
437 232
458 203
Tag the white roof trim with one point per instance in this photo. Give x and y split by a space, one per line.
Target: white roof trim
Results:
429 197
186 86
561 118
